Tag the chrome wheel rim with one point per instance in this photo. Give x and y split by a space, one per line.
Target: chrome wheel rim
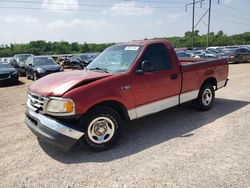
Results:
101 130
207 97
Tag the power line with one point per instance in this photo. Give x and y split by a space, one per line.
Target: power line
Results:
237 9
230 21
68 9
37 8
223 13
151 1
81 5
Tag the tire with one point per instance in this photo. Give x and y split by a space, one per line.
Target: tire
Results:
102 126
27 76
34 76
241 59
205 98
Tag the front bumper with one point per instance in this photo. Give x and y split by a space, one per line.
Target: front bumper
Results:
12 79
51 130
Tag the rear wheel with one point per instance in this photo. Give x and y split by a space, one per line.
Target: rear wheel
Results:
27 76
205 98
102 128
34 76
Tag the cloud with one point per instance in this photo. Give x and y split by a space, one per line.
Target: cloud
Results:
170 18
77 23
20 19
227 1
155 23
59 5
130 8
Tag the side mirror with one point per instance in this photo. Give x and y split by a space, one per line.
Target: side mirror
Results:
147 66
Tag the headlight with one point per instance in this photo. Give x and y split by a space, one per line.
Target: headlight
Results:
61 106
40 70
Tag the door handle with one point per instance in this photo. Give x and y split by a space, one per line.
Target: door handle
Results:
173 76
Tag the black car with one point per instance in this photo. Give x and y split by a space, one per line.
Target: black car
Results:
8 74
80 61
20 61
39 66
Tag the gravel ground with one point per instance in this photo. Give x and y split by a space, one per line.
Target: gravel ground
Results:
179 147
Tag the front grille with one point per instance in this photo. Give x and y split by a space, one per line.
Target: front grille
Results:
36 101
4 75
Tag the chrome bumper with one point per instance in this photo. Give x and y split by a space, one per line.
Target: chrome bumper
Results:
55 125
51 130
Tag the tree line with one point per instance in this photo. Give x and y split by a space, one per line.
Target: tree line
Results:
218 39
41 47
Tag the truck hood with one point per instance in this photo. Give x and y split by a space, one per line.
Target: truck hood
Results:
57 84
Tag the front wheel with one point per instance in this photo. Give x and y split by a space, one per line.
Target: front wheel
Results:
102 128
205 98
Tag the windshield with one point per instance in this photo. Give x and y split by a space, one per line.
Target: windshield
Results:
115 59
212 50
40 61
22 57
230 51
207 52
83 57
197 52
4 66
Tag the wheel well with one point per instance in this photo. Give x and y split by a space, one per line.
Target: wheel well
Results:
117 106
210 80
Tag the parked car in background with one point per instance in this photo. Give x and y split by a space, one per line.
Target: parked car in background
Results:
11 61
183 55
64 61
204 54
238 55
39 66
79 61
215 49
8 74
242 55
20 60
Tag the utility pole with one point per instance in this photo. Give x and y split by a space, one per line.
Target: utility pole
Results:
193 24
208 27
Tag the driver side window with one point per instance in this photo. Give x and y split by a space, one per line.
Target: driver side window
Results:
158 55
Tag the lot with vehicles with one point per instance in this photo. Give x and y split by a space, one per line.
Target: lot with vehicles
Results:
177 147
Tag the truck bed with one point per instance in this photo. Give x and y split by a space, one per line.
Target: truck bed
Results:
196 70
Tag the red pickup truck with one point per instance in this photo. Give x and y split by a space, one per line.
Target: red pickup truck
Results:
125 82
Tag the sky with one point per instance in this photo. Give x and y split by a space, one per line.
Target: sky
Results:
101 21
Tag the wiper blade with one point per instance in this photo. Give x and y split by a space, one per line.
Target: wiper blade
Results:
98 68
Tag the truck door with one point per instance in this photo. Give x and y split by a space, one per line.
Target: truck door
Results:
159 89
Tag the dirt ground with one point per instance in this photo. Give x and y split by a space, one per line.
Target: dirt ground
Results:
179 147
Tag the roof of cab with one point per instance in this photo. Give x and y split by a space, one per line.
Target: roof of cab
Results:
144 42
